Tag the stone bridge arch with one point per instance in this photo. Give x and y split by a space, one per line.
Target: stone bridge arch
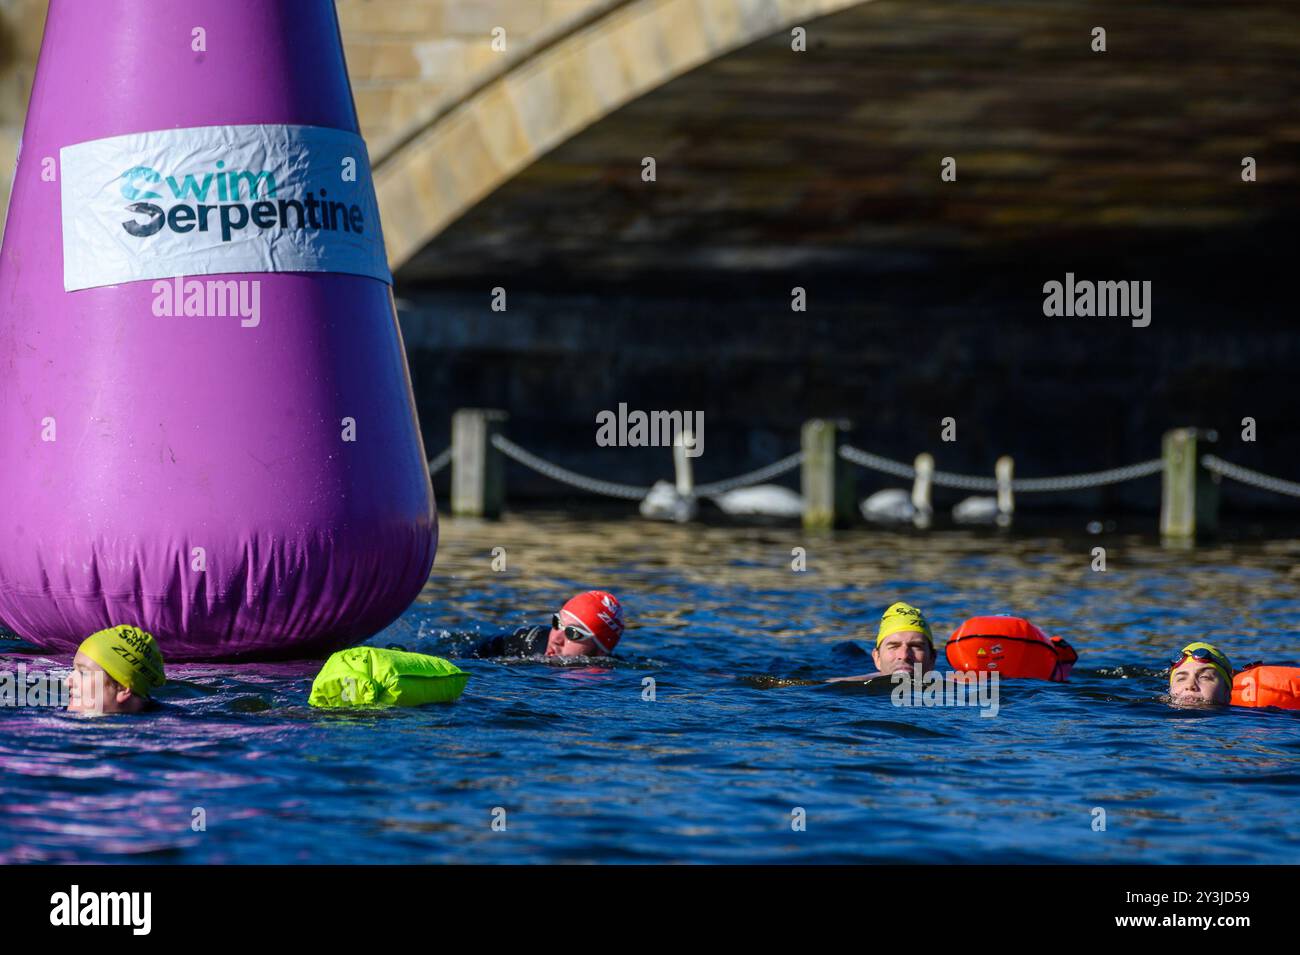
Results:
556 87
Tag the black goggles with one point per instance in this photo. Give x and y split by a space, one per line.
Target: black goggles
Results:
571 633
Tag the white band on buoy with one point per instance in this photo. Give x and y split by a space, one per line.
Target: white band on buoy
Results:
219 199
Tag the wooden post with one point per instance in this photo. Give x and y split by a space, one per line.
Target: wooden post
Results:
828 484
478 486
1189 504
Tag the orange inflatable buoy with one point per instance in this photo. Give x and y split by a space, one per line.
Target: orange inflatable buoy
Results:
1259 685
1011 646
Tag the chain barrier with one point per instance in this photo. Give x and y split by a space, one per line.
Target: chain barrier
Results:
875 462
1246 476
1075 482
967 482
963 482
439 462
631 492
564 476
757 476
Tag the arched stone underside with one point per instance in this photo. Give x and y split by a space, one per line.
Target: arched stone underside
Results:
560 87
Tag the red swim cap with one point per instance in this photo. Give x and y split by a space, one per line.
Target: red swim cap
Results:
598 613
1011 646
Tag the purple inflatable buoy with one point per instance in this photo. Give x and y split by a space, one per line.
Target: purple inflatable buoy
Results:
206 418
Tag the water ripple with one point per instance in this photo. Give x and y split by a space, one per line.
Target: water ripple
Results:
741 753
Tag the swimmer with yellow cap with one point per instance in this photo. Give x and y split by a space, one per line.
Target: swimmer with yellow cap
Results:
903 642
1201 675
115 671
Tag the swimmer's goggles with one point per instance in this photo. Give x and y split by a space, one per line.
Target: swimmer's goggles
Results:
1203 654
576 634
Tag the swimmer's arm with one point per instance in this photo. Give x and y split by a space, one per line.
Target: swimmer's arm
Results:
860 678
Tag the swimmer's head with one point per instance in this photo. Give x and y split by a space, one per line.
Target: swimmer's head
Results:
1200 675
903 641
589 625
115 671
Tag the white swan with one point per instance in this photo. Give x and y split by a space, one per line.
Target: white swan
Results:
766 500
666 503
890 506
679 502
674 502
976 510
990 510
896 506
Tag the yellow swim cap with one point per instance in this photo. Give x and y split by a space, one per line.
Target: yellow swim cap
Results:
900 617
1206 653
129 655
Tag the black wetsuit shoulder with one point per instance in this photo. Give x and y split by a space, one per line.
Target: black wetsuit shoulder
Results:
524 642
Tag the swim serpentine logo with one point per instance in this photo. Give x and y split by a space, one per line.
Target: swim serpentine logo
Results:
232 212
219 200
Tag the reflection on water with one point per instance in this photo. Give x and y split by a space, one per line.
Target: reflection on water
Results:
740 732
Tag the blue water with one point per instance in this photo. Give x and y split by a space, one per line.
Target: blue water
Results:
714 768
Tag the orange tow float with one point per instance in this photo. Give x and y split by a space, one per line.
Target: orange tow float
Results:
1011 646
1260 685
